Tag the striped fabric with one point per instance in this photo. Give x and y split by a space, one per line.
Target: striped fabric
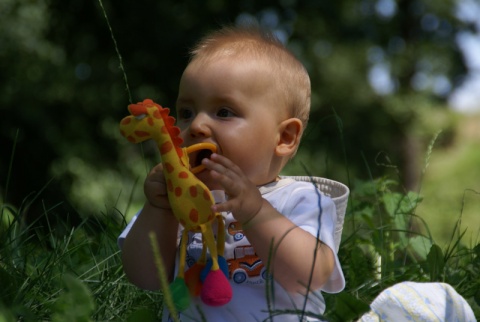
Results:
409 301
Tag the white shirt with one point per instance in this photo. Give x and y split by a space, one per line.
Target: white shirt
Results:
306 207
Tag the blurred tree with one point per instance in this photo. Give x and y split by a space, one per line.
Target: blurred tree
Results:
378 69
385 68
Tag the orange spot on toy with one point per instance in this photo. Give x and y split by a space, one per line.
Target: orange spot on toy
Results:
166 147
206 195
178 191
193 191
169 167
142 134
156 114
193 215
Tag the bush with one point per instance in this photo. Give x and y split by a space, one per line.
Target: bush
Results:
385 242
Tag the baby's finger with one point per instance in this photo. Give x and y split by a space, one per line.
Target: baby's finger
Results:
227 206
156 170
218 170
225 162
227 180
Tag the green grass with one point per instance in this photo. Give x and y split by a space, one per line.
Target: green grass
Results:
65 273
451 186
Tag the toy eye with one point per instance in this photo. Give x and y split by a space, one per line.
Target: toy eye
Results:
140 116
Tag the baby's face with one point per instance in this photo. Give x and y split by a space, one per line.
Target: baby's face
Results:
233 105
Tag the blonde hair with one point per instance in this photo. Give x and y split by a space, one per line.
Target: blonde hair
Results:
251 42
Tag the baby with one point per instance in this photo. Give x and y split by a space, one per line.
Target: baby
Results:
244 92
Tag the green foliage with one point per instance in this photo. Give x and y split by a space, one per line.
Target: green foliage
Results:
435 262
347 307
75 304
50 270
385 242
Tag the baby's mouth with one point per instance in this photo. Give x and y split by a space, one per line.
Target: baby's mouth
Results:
202 154
197 153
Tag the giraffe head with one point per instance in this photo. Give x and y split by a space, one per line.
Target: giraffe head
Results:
149 120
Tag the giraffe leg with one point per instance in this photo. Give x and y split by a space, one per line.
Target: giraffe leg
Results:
193 274
203 256
183 253
216 288
220 234
208 237
222 263
178 288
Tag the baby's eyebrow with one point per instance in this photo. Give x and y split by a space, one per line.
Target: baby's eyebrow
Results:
184 101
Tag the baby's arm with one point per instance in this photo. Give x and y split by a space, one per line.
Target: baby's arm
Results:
156 216
296 250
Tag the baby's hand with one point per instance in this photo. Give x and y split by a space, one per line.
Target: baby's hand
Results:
155 188
244 199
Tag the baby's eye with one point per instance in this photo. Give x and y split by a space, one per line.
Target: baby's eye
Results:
223 112
184 114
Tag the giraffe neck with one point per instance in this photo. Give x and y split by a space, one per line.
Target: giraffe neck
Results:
170 153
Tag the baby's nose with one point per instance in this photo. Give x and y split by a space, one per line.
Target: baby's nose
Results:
200 126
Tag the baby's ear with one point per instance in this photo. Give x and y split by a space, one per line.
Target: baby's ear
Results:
289 132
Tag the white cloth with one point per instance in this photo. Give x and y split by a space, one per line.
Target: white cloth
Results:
410 301
305 206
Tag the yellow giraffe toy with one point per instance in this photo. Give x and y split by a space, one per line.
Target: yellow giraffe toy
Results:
191 203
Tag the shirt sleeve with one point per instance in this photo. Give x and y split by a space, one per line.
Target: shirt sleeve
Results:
315 213
123 235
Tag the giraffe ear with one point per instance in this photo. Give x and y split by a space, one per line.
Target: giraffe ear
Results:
289 133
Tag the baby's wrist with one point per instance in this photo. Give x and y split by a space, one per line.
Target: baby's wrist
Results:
249 223
253 219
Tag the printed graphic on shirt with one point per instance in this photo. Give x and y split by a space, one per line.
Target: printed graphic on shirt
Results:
244 265
235 230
